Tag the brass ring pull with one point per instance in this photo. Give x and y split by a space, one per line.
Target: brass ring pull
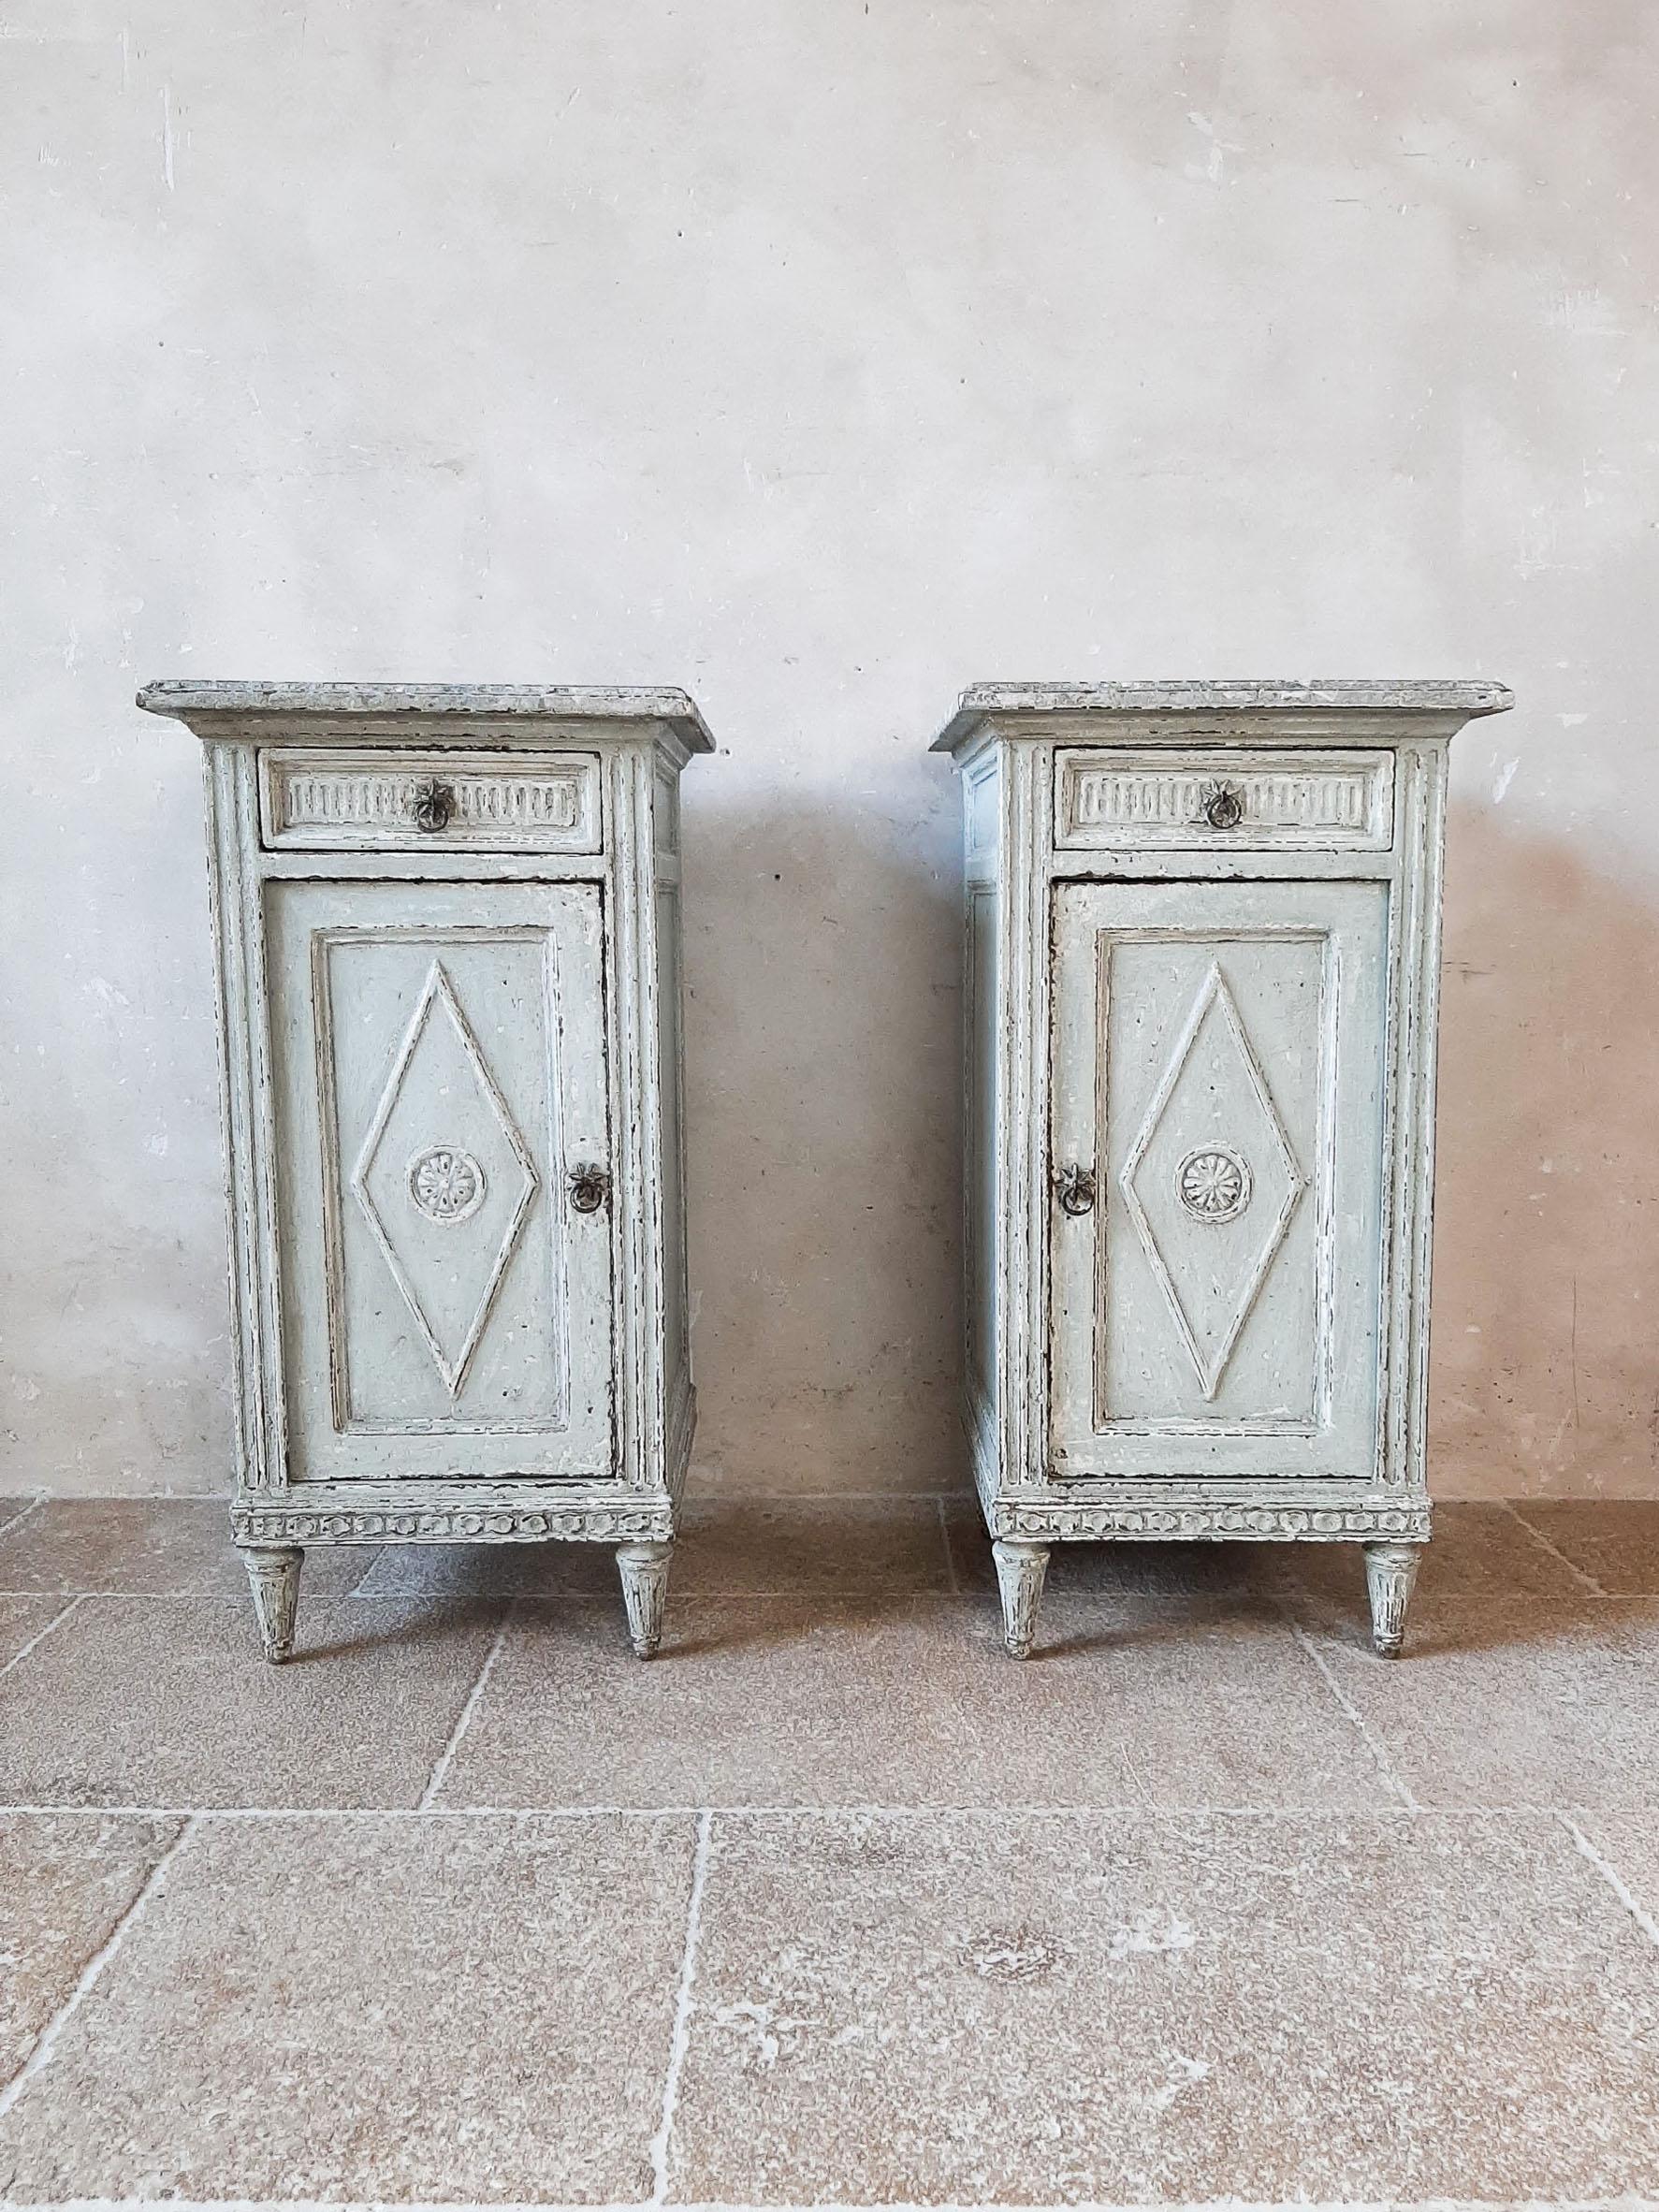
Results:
589 1187
1075 1189
434 803
1223 805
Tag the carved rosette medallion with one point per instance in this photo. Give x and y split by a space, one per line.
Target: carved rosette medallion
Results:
1214 1183
445 1183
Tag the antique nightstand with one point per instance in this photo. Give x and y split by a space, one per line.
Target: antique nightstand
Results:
1202 972
446 922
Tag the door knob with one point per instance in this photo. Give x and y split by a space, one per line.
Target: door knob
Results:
1074 1187
589 1187
434 803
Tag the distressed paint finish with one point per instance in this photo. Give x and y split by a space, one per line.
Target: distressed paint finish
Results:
1021 1567
1318 801
446 922
1202 980
547 803
273 1579
441 1053
1390 1569
1217 1061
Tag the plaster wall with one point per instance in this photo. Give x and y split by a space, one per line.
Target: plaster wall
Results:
820 356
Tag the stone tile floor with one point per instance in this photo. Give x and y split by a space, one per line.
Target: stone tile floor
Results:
832 1904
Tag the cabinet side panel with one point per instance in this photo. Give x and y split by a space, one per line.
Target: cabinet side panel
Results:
680 1397
1023 1093
239 949
641 1402
982 814
1414 1022
665 812
982 824
671 1110
979 1142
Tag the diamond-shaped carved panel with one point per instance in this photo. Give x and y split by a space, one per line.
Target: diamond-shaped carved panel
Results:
1210 1180
444 1179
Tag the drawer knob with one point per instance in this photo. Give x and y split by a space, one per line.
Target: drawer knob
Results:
434 803
1074 1187
589 1187
1223 805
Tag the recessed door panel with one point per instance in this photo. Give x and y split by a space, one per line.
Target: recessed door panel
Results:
1216 1138
441 1072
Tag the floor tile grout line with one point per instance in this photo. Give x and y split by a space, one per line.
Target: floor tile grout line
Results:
796 1592
17 1519
159 1597
1538 1537
40 1634
47 2041
552 1593
1624 2203
1614 1880
1385 1764
440 1766
392 1812
360 1585
1119 1807
680 2041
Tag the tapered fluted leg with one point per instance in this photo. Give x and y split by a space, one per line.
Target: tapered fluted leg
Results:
644 1569
273 1575
1390 1569
1019 1569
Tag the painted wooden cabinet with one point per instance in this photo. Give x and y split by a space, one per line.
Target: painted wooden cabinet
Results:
1203 965
447 936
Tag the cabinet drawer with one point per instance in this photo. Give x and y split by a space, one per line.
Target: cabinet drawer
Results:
386 801
1218 797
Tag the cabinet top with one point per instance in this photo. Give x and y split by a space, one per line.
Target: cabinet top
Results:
205 703
1462 701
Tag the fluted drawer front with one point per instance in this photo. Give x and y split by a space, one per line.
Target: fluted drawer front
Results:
385 801
1220 797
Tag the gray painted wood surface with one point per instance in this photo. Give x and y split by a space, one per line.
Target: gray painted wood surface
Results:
1201 990
587 706
439 1050
448 939
1218 1069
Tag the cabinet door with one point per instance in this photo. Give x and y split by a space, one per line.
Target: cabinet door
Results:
440 1064
1218 1053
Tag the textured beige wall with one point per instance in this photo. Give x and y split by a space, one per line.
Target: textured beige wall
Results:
822 356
